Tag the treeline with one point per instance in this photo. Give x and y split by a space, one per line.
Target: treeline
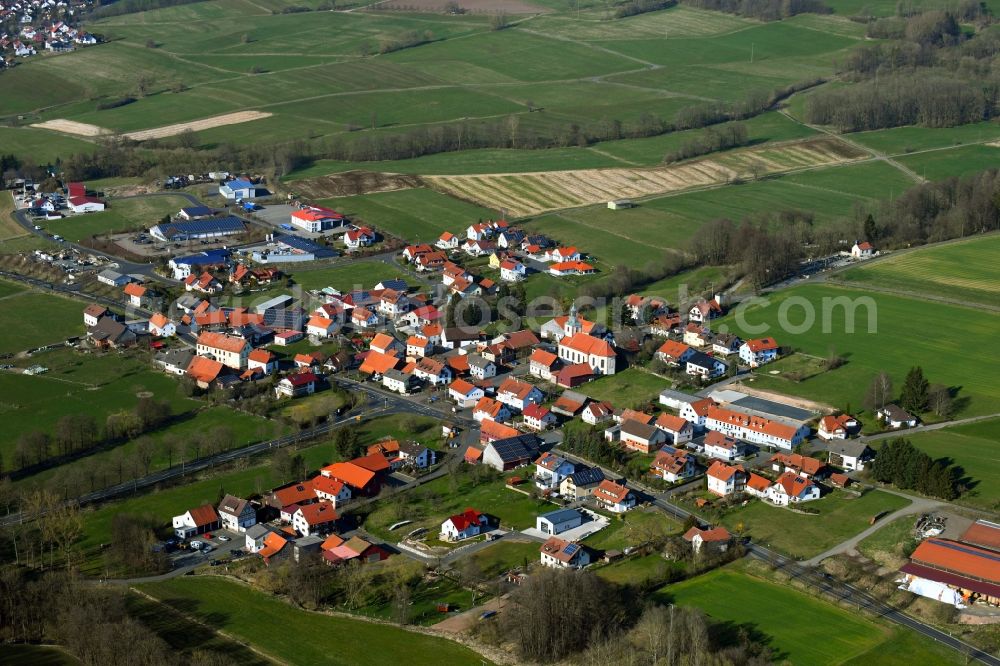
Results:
552 617
119 7
77 433
763 10
929 101
405 40
764 250
713 139
94 624
908 468
635 7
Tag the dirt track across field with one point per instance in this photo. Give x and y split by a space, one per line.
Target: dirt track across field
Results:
470 6
198 125
72 127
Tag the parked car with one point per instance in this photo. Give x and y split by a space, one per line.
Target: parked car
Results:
223 538
197 545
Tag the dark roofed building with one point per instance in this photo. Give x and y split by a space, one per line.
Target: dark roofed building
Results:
511 452
110 333
212 227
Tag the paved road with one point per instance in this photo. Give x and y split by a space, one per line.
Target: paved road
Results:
927 428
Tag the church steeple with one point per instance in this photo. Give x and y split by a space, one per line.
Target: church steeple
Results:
573 324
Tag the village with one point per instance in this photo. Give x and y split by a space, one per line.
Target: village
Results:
510 401
42 26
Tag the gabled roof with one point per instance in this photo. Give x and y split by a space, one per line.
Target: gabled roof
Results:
793 484
758 482
517 448
718 534
671 423
273 543
586 344
373 462
761 344
673 349
517 388
378 363
490 407
462 387
204 369
204 515
542 357
133 289
293 494
963 559
550 461
383 341
463 520
755 423
533 411
351 474
232 505
324 484
586 476
560 549
612 492
721 440
318 513
722 471
492 430
222 341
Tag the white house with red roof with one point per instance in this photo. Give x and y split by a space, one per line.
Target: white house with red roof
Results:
721 447
297 385
512 270
488 408
541 364
464 525
263 361
790 488
759 351
755 429
673 465
231 351
597 412
705 310
837 427
862 250
725 479
561 554
447 241
330 490
316 219
358 238
537 417
321 327
563 254
677 428
464 394
161 327
196 521
85 204
614 497
317 518
518 395
696 411
717 538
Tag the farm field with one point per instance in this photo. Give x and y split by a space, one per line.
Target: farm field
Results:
960 161
533 193
9 228
902 140
276 628
960 271
639 570
894 345
504 556
626 388
417 215
347 276
43 146
801 628
841 515
975 447
54 319
121 215
632 529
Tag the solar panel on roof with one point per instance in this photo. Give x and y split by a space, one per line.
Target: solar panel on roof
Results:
571 549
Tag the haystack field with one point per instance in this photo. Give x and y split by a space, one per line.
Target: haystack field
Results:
72 127
532 193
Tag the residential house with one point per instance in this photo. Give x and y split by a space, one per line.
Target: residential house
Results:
135 294
851 455
464 394
581 482
726 344
562 554
361 480
896 417
93 313
512 270
559 521
642 437
805 466
448 241
316 219
862 250
205 283
719 446
696 411
511 452
330 490
161 327
204 371
398 381
432 371
488 408
109 333
518 395
236 514
377 364
537 417
393 303
262 361
541 364
363 318
384 343
837 427
290 495
705 366
550 470
321 327
255 536
725 479
230 351
174 361
673 465
696 336
564 268
759 351
790 488
354 549
679 430
317 518
703 310
673 352
491 431
465 525
597 412
196 521
358 238
456 338
614 497
297 385
757 485
418 346
481 368
717 539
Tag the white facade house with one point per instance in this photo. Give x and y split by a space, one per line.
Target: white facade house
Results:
518 395
755 429
550 470
557 522
790 488
562 554
862 250
481 368
464 394
464 525
725 479
759 351
236 514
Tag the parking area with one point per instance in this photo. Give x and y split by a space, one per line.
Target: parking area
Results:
222 544
596 523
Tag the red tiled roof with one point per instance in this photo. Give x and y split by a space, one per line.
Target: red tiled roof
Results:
586 344
223 342
542 357
758 482
133 289
463 520
959 558
761 344
670 422
461 386
610 491
755 423
204 369
318 513
351 474
673 349
722 471
204 515
373 462
378 363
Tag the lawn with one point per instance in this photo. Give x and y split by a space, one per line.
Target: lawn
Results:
9 228
53 320
122 215
633 529
277 628
841 515
630 387
960 271
902 140
883 338
885 546
799 628
345 276
417 215
958 162
638 570
975 447
429 505
505 555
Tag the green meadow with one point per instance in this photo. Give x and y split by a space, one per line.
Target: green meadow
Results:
121 215
960 270
883 338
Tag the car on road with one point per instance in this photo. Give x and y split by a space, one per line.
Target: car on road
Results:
38 227
57 238
223 538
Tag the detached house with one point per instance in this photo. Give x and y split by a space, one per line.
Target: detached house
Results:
850 455
720 447
448 241
465 525
679 430
759 351
705 366
717 539
432 371
464 394
863 250
563 554
642 437
725 479
537 417
550 470
703 310
597 412
330 490
518 395
672 465
581 483
672 352
230 351
196 521
236 514
837 427
512 270
481 368
317 518
358 238
161 327
488 408
135 294
296 386
791 488
897 417
541 364
614 497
